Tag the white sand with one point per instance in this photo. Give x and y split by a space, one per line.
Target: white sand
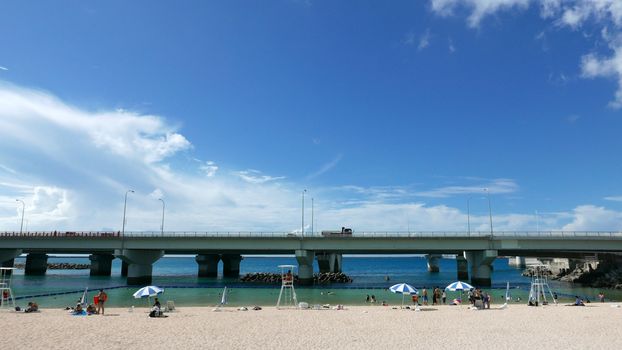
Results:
598 326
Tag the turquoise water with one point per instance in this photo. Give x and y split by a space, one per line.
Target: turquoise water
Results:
178 276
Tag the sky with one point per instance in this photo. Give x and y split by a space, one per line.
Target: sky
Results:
400 116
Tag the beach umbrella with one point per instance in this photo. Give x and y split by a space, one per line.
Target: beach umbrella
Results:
404 289
148 291
459 286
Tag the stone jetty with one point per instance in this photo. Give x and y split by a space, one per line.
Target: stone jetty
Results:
275 278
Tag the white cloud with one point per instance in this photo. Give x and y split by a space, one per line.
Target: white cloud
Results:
497 186
614 198
564 13
256 177
3 68
65 163
209 168
424 40
478 8
590 217
450 46
326 167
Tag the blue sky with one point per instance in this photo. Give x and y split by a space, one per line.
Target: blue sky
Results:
391 115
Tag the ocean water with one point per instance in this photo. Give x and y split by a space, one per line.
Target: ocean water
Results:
178 276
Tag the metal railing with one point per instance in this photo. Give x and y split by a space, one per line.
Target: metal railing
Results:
316 235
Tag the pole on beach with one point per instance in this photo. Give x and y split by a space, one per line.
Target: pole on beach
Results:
162 226
21 228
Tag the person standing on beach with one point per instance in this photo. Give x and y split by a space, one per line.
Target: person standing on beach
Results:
424 294
601 297
102 297
444 297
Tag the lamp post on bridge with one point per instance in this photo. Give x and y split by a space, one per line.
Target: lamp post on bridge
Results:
21 228
162 226
489 209
302 228
124 211
312 218
469 212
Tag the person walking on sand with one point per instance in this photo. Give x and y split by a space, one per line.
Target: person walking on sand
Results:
102 297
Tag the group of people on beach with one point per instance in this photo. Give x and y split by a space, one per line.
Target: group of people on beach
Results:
97 308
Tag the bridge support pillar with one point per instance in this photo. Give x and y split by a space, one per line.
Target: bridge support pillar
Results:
123 269
329 262
462 265
208 264
517 261
101 264
7 257
481 262
231 265
305 266
433 261
36 264
140 264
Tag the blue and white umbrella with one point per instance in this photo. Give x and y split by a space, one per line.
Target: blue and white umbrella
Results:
404 289
459 286
148 291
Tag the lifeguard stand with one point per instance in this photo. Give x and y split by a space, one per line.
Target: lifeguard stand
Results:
288 293
539 287
6 273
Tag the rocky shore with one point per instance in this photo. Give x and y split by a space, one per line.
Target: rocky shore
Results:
60 266
275 278
604 273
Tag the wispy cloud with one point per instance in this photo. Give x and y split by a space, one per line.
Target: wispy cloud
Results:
614 198
450 46
326 167
209 168
497 186
256 177
3 68
424 40
571 14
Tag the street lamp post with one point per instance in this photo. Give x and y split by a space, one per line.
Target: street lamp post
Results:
312 218
468 217
302 228
124 210
489 209
21 228
162 226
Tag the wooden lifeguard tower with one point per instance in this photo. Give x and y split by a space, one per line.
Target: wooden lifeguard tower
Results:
6 273
287 296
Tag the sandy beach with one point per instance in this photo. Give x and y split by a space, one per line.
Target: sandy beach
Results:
597 326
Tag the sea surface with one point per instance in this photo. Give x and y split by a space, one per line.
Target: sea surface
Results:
178 277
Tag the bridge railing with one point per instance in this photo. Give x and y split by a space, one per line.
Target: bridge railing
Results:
255 234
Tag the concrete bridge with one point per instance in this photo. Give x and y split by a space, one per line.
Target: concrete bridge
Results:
139 250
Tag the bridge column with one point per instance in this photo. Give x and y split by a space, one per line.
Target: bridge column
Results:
123 268
208 264
101 264
517 261
7 257
433 261
481 262
462 265
36 264
140 264
231 265
329 262
305 266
